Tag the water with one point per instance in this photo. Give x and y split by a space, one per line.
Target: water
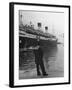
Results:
53 62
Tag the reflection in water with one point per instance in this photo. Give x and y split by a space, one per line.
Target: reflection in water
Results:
53 60
49 55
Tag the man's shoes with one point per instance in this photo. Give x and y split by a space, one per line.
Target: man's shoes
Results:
45 74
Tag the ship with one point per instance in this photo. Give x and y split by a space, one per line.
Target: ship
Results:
28 36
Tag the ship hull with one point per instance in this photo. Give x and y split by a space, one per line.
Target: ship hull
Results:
28 39
33 42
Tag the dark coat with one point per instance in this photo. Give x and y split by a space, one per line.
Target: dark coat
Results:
38 55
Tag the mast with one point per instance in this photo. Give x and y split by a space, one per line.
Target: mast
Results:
21 18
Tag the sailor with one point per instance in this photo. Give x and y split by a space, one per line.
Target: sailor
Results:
39 60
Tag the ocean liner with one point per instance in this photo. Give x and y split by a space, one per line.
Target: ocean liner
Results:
28 36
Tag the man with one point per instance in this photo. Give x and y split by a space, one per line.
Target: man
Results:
39 60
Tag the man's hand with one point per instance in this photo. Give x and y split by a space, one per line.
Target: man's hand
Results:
36 47
31 47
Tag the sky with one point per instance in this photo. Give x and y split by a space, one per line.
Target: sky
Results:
54 21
